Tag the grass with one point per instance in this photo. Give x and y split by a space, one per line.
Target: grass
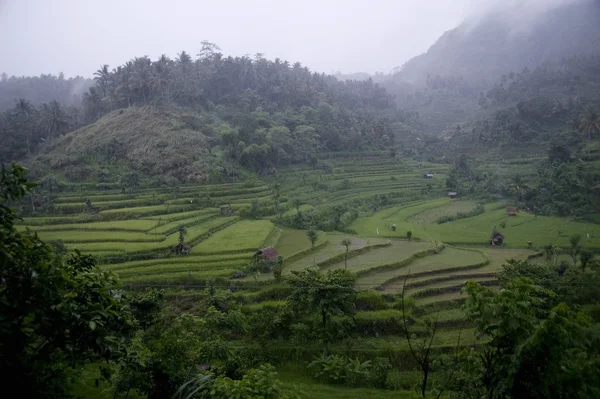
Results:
75 236
431 215
447 259
295 375
459 283
246 234
148 209
141 225
333 248
477 229
293 241
398 250
193 233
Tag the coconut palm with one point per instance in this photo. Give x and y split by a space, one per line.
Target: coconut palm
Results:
54 119
102 78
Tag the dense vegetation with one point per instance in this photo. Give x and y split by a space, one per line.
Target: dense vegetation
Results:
212 226
215 342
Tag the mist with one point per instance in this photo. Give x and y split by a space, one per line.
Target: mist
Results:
69 36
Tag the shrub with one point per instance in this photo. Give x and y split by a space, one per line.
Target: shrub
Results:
529 244
399 381
335 369
370 300
409 234
379 372
594 312
503 224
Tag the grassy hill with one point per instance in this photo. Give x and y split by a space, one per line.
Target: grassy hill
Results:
169 142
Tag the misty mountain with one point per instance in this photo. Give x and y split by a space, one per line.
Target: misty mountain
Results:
508 40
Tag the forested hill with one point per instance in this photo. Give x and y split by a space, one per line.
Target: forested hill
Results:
241 114
510 39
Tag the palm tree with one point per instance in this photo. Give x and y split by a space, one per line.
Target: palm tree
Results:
54 120
22 108
575 247
346 242
276 190
102 78
590 123
312 237
162 75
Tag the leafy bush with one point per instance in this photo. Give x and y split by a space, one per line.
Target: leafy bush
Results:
335 369
370 300
257 383
379 372
402 381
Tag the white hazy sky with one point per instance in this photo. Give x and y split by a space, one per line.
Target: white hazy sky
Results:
77 36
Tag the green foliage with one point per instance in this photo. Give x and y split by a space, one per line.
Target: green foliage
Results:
534 350
323 295
370 300
260 383
56 314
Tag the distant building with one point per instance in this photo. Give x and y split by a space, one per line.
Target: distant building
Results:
181 249
226 210
512 210
428 175
452 194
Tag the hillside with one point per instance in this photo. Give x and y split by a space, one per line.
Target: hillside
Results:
444 85
170 143
164 117
508 40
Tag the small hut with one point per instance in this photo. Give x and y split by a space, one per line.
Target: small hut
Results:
226 210
267 253
452 194
428 175
181 249
264 260
512 210
496 239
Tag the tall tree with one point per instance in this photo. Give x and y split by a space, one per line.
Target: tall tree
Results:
312 237
326 295
590 123
55 315
54 120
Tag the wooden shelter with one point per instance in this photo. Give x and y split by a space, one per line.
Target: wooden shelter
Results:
452 194
226 210
496 239
428 175
181 249
267 253
512 210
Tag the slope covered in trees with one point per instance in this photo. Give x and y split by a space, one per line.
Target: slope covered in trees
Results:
251 113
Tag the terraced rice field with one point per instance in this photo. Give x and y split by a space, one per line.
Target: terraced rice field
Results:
431 215
134 233
449 258
243 236
476 230
293 241
395 252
